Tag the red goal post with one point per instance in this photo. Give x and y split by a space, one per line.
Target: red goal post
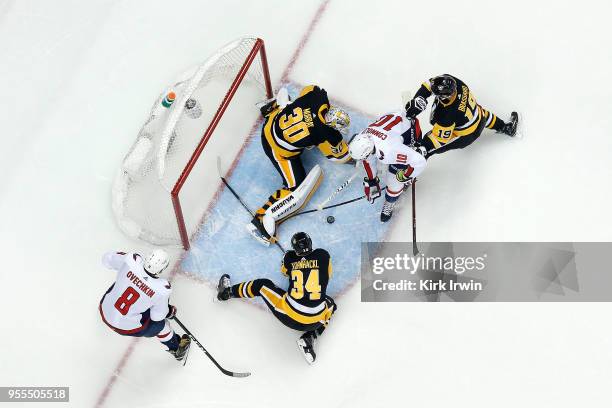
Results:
149 190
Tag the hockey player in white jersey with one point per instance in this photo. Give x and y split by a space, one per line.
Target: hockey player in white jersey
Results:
137 303
390 140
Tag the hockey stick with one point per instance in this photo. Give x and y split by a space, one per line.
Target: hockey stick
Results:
352 200
338 190
415 248
223 370
239 199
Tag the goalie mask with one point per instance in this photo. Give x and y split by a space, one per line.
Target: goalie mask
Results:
337 118
361 147
156 262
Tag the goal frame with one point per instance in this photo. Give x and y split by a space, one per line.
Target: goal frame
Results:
258 48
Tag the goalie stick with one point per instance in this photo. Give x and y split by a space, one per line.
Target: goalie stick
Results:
223 370
235 194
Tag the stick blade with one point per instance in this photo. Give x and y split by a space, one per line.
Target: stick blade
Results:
240 375
219 166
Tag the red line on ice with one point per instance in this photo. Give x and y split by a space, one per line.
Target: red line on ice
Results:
304 40
296 54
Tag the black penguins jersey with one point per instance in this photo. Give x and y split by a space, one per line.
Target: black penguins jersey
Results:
301 123
460 116
308 276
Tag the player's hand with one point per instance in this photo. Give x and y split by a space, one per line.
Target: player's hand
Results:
415 106
403 178
422 150
371 189
171 312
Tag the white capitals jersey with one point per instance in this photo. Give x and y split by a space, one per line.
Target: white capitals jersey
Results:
134 293
388 133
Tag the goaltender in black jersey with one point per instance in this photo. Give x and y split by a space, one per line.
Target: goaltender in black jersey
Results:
291 127
456 117
304 306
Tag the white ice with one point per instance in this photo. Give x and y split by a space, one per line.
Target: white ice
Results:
78 79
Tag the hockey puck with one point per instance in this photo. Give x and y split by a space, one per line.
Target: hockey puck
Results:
330 219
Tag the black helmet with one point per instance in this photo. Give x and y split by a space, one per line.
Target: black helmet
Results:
443 86
301 243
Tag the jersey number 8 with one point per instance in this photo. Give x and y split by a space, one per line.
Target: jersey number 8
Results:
126 300
312 284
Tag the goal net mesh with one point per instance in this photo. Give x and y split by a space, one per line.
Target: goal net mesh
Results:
221 94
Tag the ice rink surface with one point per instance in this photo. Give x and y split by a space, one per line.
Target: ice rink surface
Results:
78 79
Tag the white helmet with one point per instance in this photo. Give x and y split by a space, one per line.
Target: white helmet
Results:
361 147
156 262
337 118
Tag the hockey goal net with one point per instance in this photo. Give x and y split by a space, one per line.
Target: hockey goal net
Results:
168 178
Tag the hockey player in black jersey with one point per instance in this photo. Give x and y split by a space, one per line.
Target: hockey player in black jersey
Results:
289 128
304 306
456 117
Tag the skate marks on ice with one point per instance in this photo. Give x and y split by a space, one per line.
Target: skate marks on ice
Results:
224 246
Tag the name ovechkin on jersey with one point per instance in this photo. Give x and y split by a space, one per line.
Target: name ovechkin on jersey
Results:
138 283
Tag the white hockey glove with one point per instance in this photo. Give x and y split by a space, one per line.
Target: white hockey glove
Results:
371 189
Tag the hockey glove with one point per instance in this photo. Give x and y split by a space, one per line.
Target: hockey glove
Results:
371 189
415 106
171 312
402 177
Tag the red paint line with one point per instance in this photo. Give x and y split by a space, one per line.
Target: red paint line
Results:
113 378
304 40
129 351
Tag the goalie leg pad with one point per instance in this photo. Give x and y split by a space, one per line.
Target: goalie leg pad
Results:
293 202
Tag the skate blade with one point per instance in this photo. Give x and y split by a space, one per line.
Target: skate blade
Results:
186 355
520 127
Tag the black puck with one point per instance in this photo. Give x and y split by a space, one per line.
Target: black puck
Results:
330 219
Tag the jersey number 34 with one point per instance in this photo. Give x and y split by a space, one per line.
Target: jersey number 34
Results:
312 285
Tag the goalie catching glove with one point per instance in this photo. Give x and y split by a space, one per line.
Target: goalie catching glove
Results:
371 188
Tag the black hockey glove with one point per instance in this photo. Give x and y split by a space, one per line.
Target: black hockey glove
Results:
415 106
371 189
171 312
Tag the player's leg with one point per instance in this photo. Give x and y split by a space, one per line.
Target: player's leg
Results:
495 123
307 340
291 171
287 201
177 345
271 294
274 298
395 188
290 168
